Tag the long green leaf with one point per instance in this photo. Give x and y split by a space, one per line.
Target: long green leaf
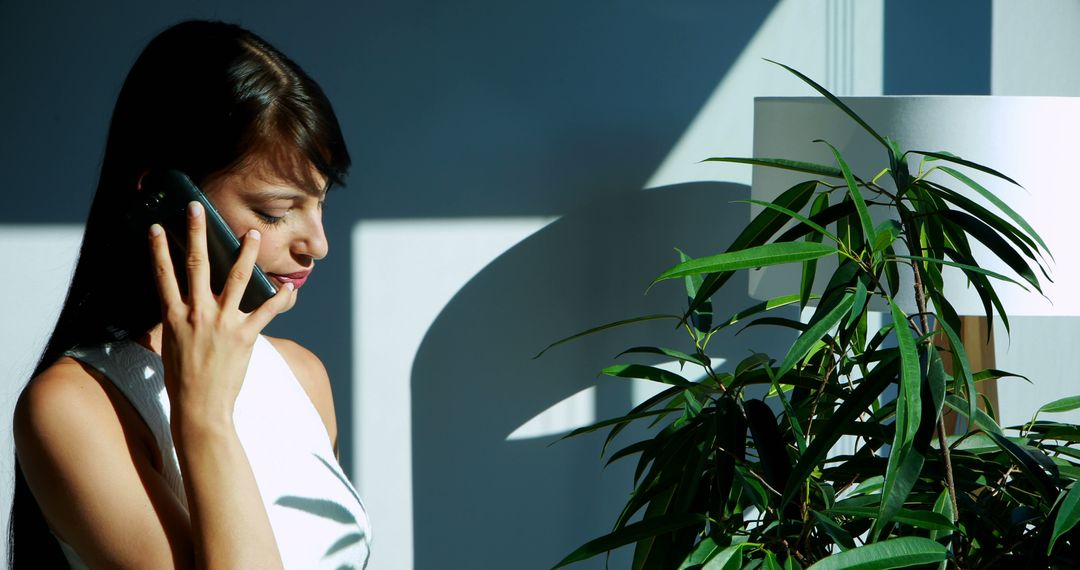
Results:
1063 405
994 374
892 273
859 301
809 271
604 328
759 231
813 334
1001 205
965 266
948 157
705 550
887 232
729 558
633 448
909 401
629 534
898 167
922 519
935 386
822 218
895 553
656 487
701 316
943 507
784 164
777 322
985 290
856 195
750 258
679 355
841 537
615 421
994 242
815 209
981 420
807 381
769 443
902 458
789 412
1016 235
960 360
642 372
655 490
763 306
897 487
835 101
753 362
1067 516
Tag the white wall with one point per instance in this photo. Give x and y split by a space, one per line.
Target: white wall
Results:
1035 50
41 259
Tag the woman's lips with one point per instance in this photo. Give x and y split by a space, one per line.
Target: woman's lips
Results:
297 279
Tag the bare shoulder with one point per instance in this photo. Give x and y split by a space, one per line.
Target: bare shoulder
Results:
96 486
311 373
62 397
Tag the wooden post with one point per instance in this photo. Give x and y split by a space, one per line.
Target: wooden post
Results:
980 353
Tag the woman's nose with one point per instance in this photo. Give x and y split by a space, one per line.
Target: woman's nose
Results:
311 239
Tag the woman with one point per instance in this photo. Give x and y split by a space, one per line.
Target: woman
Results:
161 429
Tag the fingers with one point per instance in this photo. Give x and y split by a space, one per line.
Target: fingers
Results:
164 275
237 281
282 301
198 265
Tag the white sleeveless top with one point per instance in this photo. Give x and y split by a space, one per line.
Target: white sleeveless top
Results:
317 517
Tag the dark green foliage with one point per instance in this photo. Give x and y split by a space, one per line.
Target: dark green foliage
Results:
733 480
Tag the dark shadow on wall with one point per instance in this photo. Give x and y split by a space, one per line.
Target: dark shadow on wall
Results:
525 504
937 48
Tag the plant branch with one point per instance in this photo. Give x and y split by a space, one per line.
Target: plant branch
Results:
920 300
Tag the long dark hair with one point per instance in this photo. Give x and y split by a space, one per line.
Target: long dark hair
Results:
205 98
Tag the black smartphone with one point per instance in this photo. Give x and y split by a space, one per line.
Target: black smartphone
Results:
164 199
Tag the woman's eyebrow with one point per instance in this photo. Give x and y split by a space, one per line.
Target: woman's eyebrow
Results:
284 194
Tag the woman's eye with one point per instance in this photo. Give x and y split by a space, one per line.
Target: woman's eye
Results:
267 218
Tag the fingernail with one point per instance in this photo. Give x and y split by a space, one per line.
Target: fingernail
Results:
195 209
155 230
290 286
254 234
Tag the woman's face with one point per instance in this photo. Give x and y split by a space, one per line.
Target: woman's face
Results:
288 218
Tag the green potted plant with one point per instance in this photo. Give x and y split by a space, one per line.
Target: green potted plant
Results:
736 471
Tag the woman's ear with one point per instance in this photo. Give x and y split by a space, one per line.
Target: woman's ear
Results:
138 183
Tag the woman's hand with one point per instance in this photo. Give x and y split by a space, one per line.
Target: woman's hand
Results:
206 345
206 339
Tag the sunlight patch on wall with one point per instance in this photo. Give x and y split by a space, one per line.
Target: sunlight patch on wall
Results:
576 411
41 259
837 43
421 265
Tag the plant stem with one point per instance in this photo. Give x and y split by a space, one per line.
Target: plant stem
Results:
948 467
920 300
